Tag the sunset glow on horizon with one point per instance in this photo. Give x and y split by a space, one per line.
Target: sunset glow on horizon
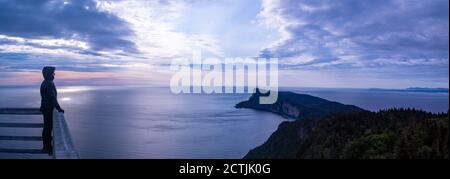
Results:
351 43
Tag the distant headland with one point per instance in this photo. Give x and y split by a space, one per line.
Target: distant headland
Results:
331 130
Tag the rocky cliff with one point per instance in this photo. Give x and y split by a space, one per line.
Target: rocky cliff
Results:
297 106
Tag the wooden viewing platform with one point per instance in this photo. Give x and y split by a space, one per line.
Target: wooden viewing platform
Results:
63 147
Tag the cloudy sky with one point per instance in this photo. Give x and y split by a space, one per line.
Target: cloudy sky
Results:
326 43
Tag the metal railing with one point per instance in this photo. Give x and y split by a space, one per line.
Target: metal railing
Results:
63 147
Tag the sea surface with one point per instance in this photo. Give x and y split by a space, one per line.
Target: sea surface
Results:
152 122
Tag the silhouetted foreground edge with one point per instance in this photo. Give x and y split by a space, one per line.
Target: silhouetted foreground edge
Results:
346 132
63 147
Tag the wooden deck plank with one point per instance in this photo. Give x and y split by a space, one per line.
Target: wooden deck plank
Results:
22 151
21 138
20 111
22 125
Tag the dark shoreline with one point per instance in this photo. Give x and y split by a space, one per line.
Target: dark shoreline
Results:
307 137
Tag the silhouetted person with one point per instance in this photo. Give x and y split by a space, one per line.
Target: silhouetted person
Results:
49 102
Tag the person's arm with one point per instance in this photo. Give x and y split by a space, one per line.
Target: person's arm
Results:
54 98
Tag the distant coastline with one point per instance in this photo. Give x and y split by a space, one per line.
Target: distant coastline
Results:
414 89
287 88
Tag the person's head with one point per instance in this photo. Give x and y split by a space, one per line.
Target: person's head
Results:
49 73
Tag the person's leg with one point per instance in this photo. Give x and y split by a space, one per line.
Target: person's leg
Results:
47 131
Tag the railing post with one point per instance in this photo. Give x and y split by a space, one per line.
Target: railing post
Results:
63 147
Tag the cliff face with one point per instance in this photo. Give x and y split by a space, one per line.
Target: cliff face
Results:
298 106
326 129
395 133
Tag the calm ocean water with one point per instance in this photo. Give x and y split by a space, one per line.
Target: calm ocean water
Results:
150 122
